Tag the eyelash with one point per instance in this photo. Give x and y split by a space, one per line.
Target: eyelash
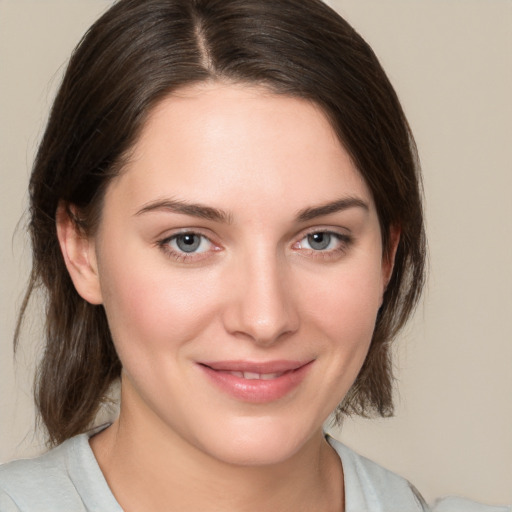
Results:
344 242
182 256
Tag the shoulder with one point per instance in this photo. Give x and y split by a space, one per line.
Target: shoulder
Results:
66 478
38 470
369 486
34 482
455 504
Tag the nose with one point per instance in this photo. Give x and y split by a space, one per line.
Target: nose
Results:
261 306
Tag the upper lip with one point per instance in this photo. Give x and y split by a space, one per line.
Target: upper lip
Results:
255 366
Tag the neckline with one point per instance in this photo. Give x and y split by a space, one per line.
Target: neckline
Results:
87 476
96 493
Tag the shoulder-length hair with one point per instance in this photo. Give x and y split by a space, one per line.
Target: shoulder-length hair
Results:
136 54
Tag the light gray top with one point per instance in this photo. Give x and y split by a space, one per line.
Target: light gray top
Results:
68 479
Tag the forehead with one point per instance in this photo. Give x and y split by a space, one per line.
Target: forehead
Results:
216 142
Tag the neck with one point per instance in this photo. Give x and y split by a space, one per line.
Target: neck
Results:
150 467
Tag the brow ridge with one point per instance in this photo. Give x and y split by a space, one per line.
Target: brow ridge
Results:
185 208
217 215
331 207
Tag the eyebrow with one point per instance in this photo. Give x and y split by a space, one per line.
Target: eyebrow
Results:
331 207
192 209
216 215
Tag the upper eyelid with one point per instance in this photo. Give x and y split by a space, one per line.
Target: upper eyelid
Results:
344 241
343 238
163 243
177 255
166 236
341 232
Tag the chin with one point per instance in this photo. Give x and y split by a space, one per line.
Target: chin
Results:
263 442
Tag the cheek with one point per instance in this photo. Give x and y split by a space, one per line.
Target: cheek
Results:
346 304
148 308
344 308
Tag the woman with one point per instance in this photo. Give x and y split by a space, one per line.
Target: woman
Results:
236 321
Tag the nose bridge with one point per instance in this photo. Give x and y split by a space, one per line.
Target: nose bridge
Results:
263 308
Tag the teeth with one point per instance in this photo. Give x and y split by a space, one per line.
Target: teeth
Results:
256 376
251 376
270 376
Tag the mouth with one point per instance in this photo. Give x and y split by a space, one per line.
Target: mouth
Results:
256 376
256 382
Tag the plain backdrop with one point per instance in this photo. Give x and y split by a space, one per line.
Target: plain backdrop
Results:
450 61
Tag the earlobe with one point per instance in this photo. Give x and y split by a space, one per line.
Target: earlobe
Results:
78 251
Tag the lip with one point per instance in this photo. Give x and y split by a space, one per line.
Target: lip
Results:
270 388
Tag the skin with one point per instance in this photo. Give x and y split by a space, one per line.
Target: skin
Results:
256 289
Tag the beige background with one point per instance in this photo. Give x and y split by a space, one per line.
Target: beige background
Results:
450 61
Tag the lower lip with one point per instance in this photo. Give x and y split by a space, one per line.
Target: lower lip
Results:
257 390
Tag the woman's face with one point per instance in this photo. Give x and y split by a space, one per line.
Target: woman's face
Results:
240 265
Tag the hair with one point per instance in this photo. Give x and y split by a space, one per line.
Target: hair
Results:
135 55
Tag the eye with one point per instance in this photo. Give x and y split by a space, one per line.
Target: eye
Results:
189 242
188 246
321 241
327 245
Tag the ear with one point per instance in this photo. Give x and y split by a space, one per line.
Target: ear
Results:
79 254
388 261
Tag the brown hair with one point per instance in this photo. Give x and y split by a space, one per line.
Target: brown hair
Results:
136 54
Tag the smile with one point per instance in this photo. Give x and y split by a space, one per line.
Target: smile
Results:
256 376
256 382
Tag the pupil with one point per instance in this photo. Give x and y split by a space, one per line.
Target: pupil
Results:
188 243
319 241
